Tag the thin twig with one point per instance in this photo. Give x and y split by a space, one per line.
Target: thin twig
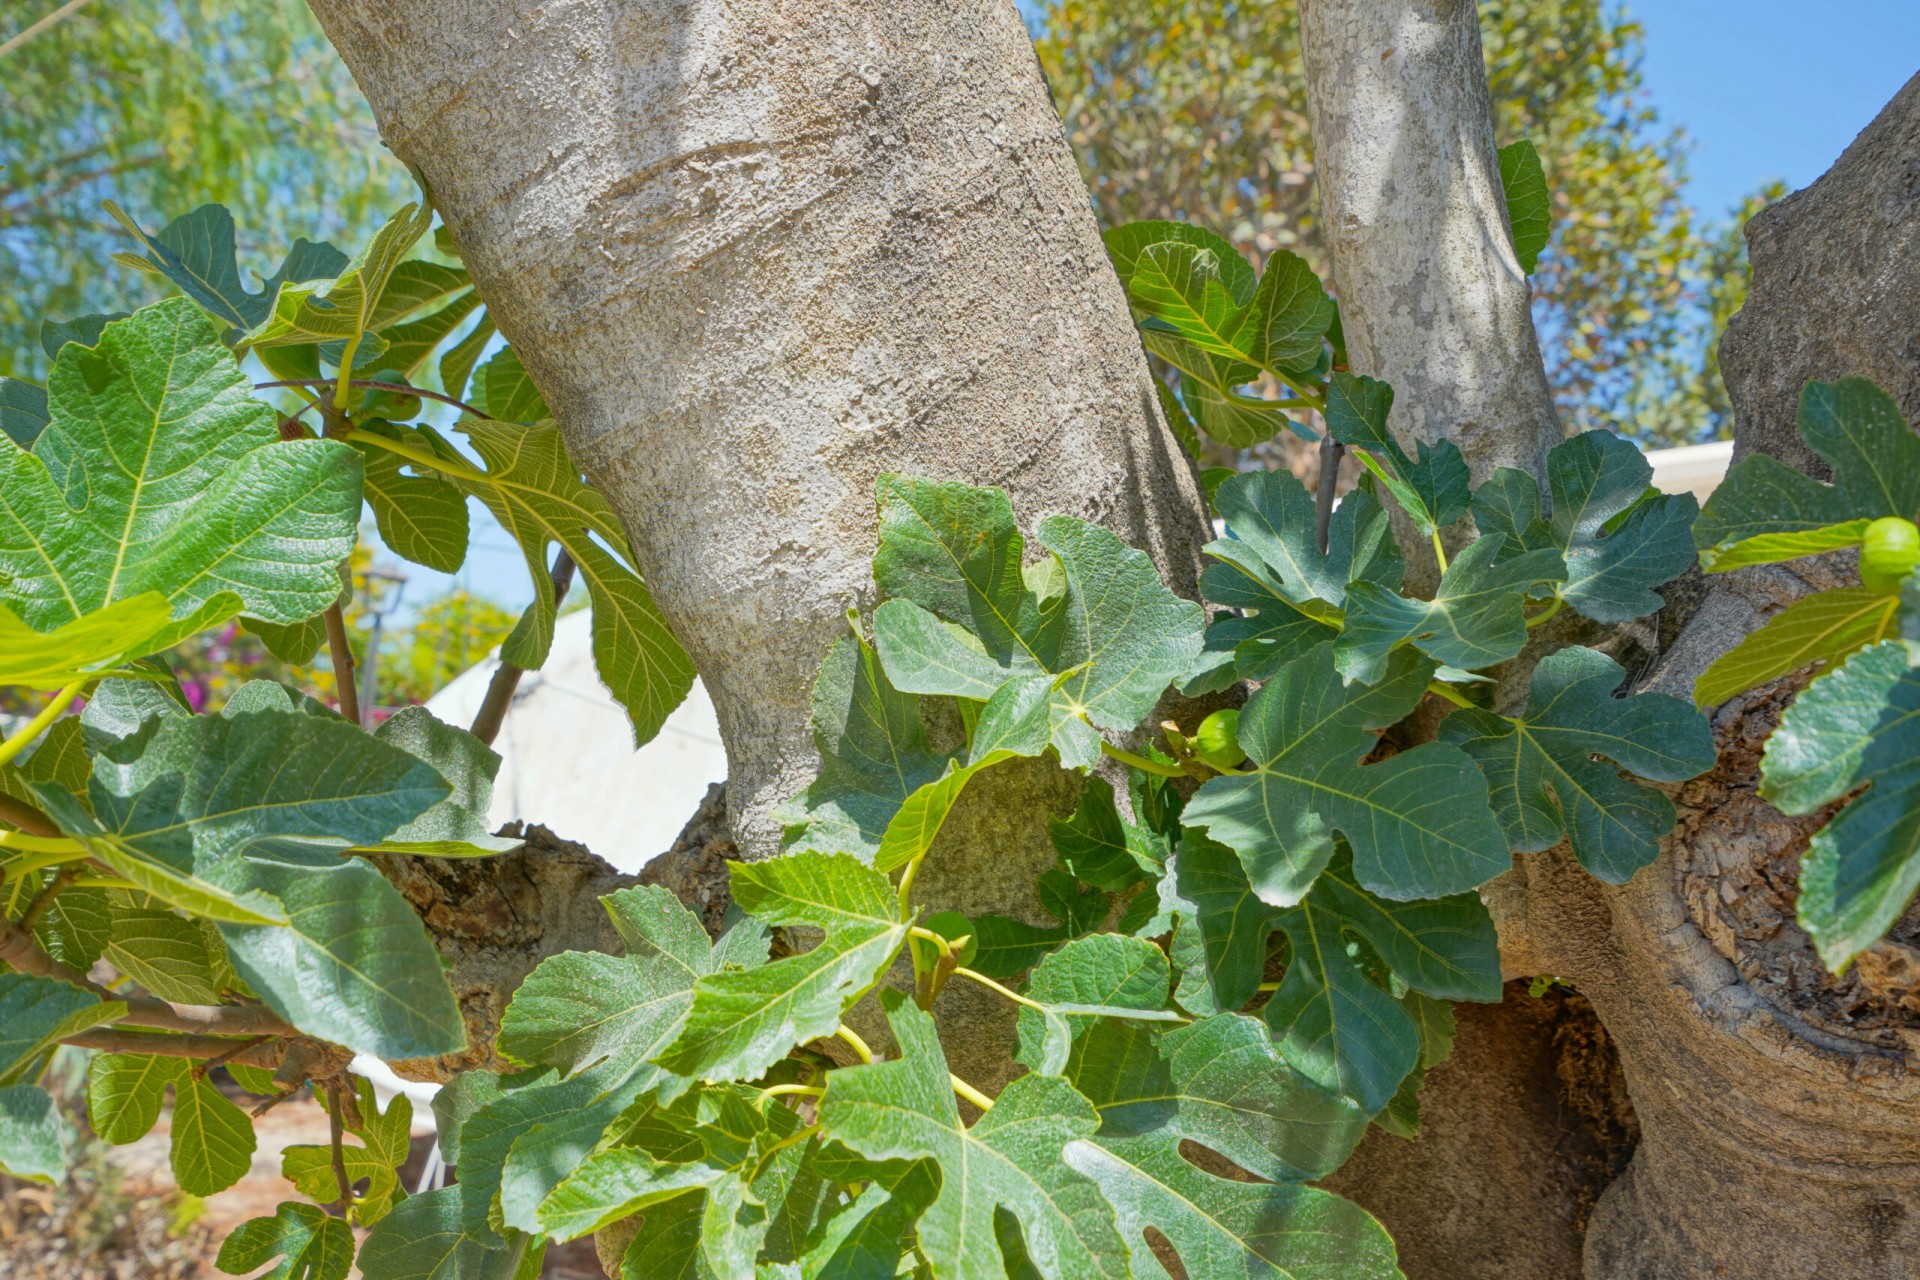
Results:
65 10
374 384
347 694
221 1060
265 1054
1331 451
335 1130
506 677
44 899
18 813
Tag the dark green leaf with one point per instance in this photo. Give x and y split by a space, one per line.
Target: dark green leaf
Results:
425 1238
1857 428
35 1013
85 330
873 755
23 410
1544 780
196 253
1477 617
1419 821
1529 205
1433 490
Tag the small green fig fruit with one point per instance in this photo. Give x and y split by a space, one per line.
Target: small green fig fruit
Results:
1888 552
1217 743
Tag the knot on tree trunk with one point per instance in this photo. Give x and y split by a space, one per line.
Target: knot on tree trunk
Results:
495 919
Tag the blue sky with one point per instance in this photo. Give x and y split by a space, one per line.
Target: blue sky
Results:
1764 89
1772 88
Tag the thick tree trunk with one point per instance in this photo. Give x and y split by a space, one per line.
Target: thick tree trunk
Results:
1432 298
1778 1108
756 254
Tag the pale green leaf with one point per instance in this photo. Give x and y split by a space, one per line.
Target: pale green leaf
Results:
743 1021
171 957
1824 627
213 1140
1106 975
422 518
1012 1157
1285 326
126 1091
1181 286
536 493
160 473
1220 1084
345 307
455 827
35 1138
48 660
309 1244
1476 618
1127 242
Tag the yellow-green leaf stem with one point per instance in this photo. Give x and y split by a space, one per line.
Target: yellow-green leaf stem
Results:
1141 762
26 736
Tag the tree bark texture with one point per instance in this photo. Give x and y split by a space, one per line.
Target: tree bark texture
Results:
1777 1107
756 253
1432 298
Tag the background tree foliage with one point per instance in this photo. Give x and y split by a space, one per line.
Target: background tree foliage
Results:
165 105
1197 111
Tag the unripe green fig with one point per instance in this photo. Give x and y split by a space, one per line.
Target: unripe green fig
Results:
1217 743
1888 552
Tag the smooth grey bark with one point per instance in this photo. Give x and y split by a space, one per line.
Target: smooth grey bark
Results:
1432 298
1778 1109
755 254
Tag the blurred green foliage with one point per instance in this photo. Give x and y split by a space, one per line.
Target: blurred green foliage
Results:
1196 110
164 105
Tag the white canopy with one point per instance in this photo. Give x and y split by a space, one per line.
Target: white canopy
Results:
567 758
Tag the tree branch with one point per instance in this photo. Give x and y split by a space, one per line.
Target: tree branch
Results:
18 813
506 677
341 652
266 1055
374 384
23 954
